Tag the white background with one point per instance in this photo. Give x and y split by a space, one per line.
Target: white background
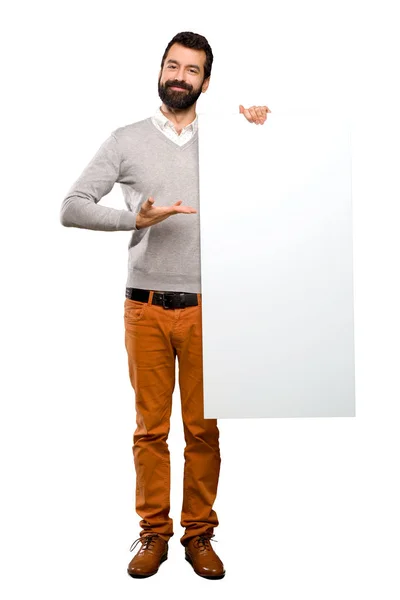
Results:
308 508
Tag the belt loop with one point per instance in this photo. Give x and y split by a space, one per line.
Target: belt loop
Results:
199 299
151 294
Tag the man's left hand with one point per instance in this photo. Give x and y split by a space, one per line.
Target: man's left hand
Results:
255 114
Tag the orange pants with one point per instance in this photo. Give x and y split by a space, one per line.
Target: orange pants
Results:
154 336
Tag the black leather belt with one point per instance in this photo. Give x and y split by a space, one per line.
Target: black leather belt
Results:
165 299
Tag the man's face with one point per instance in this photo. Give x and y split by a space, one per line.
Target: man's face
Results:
181 80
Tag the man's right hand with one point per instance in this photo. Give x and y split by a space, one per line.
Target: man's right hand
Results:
150 215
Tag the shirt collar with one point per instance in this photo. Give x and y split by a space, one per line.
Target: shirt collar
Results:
163 121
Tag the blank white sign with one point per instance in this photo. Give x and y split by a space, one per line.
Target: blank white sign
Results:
276 256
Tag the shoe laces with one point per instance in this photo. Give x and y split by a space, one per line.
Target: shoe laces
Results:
146 540
204 541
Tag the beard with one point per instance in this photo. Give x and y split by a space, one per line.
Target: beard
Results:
177 99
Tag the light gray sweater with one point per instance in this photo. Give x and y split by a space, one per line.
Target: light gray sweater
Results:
139 157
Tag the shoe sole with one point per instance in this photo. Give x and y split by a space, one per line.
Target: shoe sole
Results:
143 575
201 574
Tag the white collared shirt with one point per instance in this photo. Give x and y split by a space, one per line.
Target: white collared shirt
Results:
167 128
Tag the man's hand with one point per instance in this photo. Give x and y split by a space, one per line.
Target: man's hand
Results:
255 114
150 215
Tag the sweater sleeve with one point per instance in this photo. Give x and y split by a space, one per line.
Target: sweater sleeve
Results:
80 208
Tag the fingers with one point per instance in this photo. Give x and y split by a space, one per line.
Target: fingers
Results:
150 212
258 114
183 209
255 114
175 208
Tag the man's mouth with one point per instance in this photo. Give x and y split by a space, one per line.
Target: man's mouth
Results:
176 87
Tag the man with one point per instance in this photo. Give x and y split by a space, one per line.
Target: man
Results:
156 159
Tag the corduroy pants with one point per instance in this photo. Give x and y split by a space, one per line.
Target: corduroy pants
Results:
154 336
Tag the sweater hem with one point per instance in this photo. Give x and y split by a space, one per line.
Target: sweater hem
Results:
162 282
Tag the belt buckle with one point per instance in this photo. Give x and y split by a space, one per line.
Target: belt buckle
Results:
168 297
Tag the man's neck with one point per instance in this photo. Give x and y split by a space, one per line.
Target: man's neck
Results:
179 117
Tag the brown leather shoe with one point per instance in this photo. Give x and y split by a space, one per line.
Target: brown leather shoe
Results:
153 552
203 559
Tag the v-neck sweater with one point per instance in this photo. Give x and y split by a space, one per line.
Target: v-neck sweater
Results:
138 156
167 127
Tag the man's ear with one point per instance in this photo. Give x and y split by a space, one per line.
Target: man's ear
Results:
205 85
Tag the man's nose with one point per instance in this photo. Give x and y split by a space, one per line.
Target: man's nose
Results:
180 75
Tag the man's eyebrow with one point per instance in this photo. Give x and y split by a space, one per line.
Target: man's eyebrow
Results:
172 60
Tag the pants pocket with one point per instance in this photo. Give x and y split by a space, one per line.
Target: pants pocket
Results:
134 310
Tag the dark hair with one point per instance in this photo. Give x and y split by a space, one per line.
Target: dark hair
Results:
195 41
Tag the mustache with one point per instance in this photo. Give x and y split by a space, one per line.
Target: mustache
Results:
180 84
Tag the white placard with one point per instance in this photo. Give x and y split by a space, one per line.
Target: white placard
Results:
277 268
